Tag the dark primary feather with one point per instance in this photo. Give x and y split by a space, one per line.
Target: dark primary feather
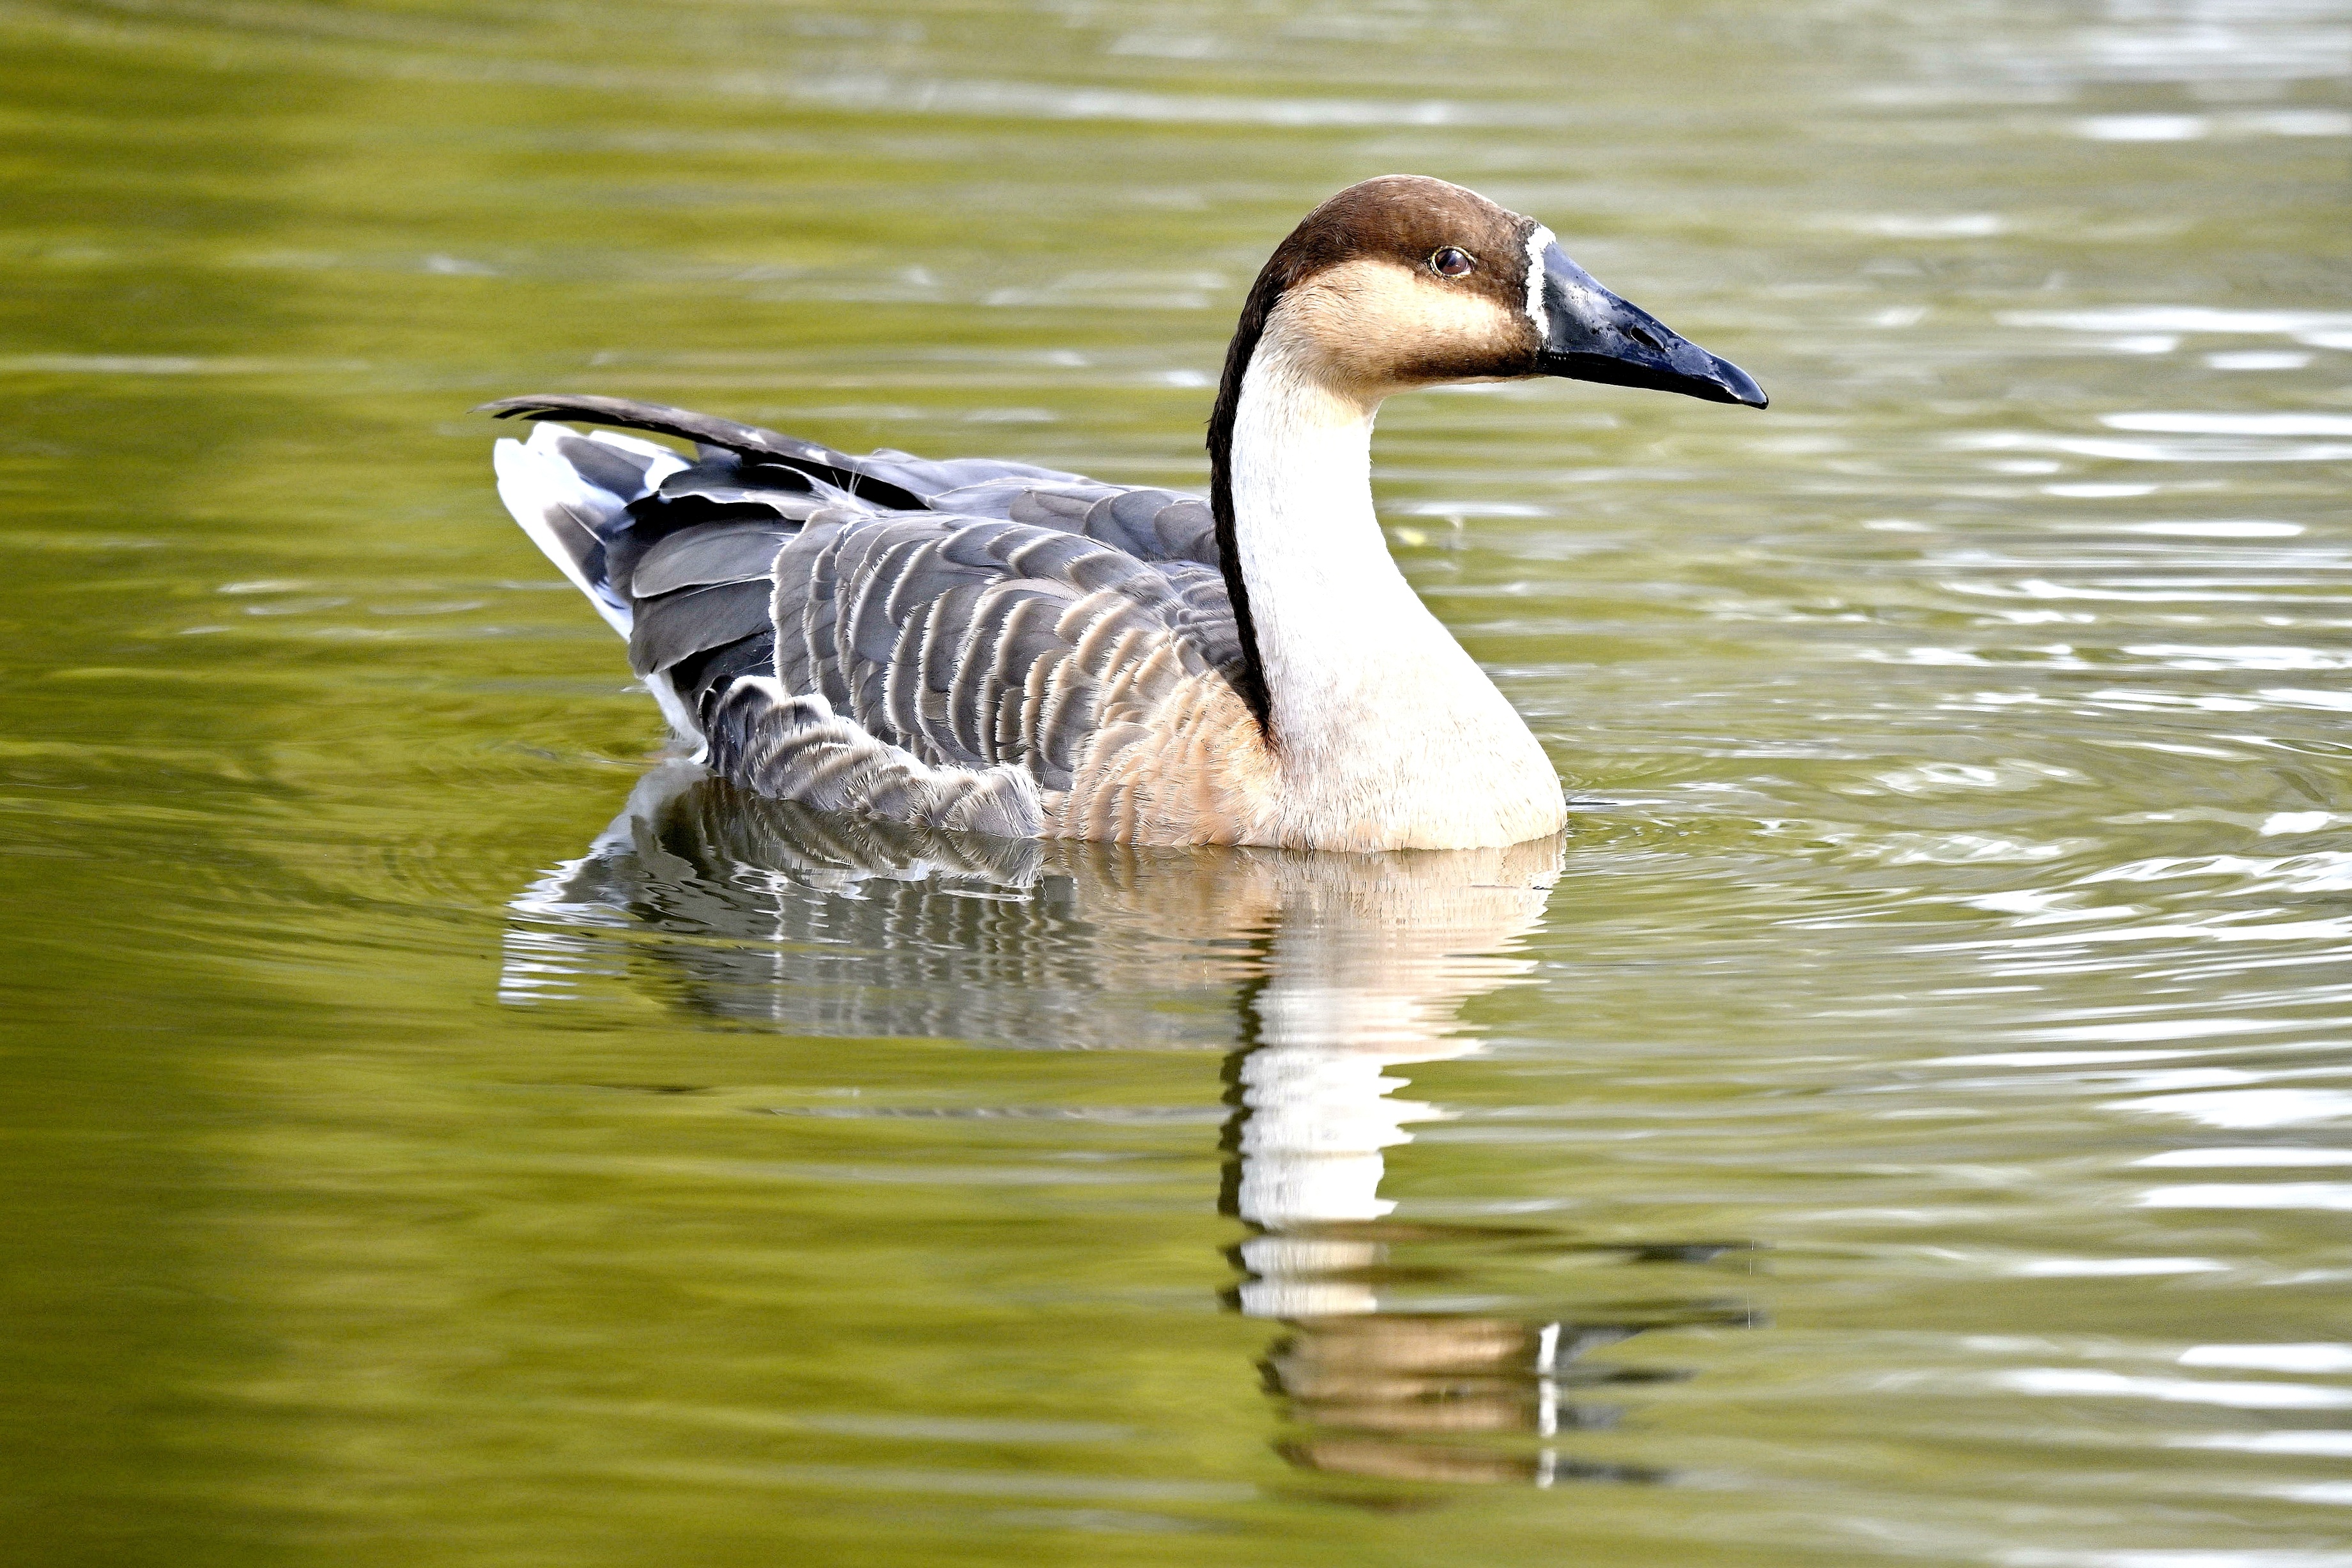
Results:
983 617
885 479
746 440
608 467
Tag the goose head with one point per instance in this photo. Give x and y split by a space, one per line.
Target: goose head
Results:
1406 281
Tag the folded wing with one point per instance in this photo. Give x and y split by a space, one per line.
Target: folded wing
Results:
942 643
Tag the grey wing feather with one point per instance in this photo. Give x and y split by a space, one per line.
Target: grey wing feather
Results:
794 747
949 641
1187 531
1055 506
695 620
976 643
733 553
615 470
1124 519
935 479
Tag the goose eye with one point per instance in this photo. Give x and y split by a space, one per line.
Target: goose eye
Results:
1450 262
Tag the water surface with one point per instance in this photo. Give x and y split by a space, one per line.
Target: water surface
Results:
1904 1120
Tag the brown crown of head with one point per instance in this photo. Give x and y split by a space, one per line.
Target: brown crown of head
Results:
1365 264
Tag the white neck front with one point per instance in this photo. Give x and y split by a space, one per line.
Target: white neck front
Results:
1378 717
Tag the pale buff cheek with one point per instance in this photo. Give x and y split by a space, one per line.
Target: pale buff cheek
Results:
1376 327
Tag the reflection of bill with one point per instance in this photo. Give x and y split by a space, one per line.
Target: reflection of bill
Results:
1343 967
1410 1395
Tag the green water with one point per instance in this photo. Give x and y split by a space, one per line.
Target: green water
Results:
1906 1121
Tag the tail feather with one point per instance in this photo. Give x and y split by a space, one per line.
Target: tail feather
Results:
572 495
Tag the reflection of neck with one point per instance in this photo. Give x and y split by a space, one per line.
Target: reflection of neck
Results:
1377 713
1361 977
1311 1148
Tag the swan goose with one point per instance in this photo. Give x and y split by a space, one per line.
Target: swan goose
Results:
993 646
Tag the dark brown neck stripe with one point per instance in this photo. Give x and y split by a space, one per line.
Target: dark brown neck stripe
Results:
1250 679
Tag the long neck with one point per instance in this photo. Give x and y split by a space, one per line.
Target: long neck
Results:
1345 649
1325 594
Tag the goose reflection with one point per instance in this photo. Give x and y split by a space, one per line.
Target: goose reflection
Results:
1319 976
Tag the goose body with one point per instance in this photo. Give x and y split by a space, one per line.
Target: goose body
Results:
998 647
